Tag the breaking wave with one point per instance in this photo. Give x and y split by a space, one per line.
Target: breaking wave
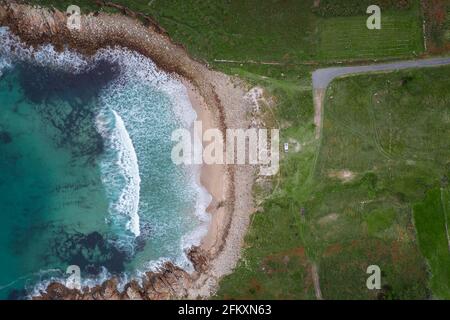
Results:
148 197
120 171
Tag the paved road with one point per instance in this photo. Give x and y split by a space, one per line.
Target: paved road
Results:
323 77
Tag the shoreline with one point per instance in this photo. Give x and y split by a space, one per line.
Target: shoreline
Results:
213 178
218 101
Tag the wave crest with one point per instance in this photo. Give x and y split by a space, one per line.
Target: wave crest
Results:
123 165
120 171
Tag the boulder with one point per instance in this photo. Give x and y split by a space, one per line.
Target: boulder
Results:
199 259
3 14
58 291
132 291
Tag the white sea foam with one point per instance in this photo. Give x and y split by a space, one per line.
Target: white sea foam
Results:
4 65
142 72
46 56
129 199
203 200
128 126
120 172
50 276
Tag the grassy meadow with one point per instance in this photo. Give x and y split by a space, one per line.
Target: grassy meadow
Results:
357 196
437 25
348 37
384 148
431 218
287 31
387 136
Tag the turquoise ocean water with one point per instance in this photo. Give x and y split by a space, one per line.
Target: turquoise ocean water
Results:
86 176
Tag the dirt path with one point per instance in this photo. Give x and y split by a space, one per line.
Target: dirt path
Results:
319 95
323 77
315 276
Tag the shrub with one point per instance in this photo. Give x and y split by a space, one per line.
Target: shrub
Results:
436 22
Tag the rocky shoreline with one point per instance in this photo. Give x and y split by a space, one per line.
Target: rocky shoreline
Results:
224 98
169 282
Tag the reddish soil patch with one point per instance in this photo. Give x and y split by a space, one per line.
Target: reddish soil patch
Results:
255 285
282 259
332 250
436 17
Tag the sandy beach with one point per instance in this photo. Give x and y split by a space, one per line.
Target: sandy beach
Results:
219 103
213 177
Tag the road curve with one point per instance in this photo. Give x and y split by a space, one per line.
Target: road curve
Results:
321 78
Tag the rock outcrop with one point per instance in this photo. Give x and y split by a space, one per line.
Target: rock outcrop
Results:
37 26
223 97
3 14
169 282
199 259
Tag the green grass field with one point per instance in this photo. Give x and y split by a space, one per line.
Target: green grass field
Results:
384 146
447 30
431 217
348 37
391 132
392 147
283 31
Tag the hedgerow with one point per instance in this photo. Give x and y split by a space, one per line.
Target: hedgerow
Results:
345 8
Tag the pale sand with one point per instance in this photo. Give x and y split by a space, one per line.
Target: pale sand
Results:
229 185
217 98
213 177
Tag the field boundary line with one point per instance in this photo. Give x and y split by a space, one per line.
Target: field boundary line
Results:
444 209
